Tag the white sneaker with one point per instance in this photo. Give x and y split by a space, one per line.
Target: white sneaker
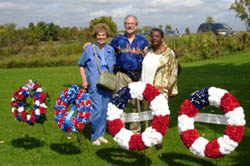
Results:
97 142
102 139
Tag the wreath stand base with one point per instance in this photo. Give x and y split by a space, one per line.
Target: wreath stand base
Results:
79 139
20 132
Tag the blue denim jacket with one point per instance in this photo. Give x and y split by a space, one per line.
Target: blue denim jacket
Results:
88 61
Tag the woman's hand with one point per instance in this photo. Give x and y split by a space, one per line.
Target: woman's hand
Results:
85 85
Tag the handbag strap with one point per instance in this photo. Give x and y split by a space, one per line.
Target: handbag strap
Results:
99 69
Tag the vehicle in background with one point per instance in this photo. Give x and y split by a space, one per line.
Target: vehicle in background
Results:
171 33
216 28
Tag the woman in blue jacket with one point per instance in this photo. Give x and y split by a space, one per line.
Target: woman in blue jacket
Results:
89 74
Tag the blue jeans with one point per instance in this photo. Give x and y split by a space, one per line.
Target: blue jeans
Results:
100 99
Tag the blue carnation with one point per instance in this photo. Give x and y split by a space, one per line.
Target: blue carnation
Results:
199 98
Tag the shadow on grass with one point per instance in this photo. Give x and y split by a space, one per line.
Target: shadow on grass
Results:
121 157
65 148
175 159
27 143
243 153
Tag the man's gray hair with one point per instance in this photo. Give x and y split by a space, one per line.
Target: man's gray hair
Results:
136 20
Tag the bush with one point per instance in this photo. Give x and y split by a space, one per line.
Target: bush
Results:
190 47
199 46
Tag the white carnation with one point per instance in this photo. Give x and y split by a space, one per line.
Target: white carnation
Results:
198 147
151 137
123 137
185 123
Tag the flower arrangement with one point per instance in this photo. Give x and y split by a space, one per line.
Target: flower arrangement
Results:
160 110
233 133
80 100
33 111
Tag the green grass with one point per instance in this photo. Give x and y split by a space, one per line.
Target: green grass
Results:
31 147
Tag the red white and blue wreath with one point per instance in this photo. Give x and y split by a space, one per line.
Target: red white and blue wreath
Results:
153 134
233 133
33 111
66 120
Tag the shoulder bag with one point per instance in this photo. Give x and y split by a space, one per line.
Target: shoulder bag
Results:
106 79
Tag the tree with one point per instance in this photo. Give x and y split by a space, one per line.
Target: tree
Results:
187 31
242 9
42 26
210 19
65 33
106 20
146 29
168 27
52 31
74 32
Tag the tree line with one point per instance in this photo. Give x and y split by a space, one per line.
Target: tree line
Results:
33 34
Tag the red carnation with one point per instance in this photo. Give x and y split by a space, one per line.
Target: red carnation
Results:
115 126
36 86
58 99
20 97
160 124
14 104
15 113
88 102
188 137
56 112
81 126
64 110
136 143
42 110
74 121
81 115
15 93
24 116
235 132
228 103
68 130
150 92
32 112
20 89
212 149
87 115
32 119
65 105
82 103
42 97
188 109
65 93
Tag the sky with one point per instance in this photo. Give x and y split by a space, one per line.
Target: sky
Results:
68 13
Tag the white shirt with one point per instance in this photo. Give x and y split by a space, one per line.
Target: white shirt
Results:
149 67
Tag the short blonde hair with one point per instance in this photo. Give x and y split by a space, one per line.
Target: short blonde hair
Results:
101 27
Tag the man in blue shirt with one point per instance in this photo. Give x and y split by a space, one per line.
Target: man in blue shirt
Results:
129 57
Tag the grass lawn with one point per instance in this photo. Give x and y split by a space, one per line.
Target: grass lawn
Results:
36 146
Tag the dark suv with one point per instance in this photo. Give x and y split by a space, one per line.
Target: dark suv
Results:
217 28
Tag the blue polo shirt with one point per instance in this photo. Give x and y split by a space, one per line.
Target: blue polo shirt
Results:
106 58
129 55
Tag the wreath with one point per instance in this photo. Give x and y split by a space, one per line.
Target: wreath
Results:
160 110
233 133
30 111
66 120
